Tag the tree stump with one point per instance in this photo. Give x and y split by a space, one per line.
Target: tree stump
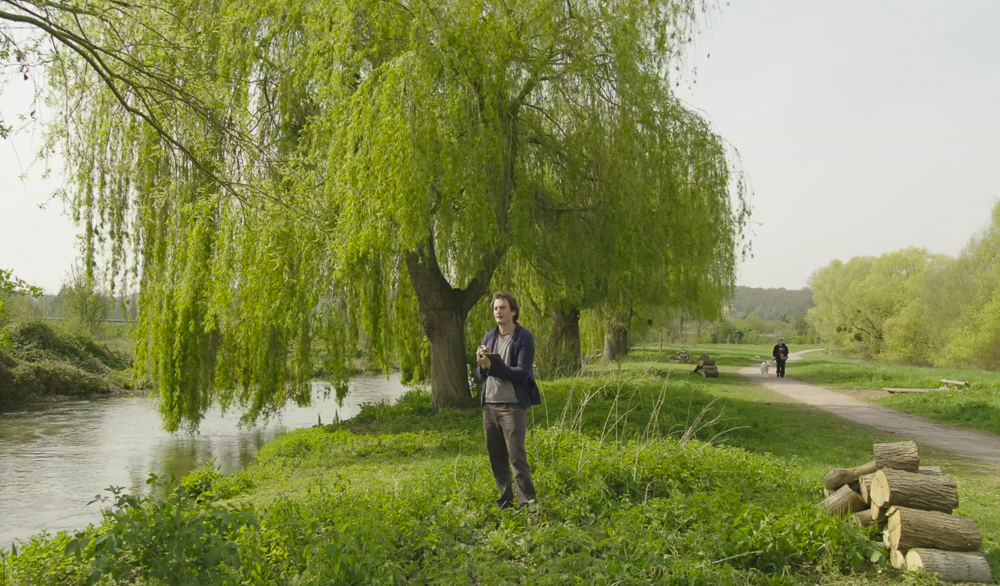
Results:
912 528
843 501
916 491
897 455
950 566
838 477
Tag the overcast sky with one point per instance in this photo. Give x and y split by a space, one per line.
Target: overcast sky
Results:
864 126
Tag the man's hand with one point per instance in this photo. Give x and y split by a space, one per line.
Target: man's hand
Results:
481 357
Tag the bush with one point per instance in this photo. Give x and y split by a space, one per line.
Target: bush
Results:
36 340
42 561
43 361
207 484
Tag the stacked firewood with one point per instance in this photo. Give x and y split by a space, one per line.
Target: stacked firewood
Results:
682 356
913 505
706 367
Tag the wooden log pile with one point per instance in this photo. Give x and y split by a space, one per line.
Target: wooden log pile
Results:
682 356
706 367
912 504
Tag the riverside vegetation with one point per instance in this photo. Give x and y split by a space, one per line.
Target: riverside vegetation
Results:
44 361
79 356
646 475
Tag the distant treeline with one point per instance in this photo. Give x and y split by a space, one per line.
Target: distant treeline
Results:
57 307
771 304
754 316
915 307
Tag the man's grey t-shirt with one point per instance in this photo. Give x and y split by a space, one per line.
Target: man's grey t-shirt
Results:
499 390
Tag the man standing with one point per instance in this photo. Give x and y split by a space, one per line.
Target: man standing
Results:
780 354
510 390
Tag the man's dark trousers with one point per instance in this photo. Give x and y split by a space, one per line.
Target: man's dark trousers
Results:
781 367
505 425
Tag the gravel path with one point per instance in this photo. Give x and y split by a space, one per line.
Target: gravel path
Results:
982 446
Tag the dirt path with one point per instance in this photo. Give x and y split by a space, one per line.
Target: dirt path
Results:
982 446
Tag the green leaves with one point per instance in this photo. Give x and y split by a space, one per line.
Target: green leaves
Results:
11 285
263 172
173 541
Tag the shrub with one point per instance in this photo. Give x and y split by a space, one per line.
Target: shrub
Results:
37 340
207 484
43 361
42 561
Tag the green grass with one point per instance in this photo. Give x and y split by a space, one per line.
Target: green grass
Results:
403 495
978 407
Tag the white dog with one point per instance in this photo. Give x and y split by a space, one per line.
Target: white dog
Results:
764 367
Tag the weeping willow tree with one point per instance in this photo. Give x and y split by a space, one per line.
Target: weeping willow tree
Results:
660 230
290 182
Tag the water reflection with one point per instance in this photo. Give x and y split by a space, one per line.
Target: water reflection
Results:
54 458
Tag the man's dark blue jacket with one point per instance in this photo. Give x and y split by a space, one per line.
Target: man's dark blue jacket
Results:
520 373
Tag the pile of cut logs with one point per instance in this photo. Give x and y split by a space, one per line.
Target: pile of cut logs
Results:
913 505
706 367
682 356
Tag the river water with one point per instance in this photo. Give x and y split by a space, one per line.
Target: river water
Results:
54 458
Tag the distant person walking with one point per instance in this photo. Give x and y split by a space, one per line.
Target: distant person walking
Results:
780 354
506 357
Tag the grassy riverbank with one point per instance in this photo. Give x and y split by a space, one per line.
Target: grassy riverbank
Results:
44 362
977 407
646 475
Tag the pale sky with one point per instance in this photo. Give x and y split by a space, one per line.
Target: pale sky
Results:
864 126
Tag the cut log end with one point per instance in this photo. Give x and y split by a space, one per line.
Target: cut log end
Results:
897 559
862 518
950 566
865 483
838 477
841 502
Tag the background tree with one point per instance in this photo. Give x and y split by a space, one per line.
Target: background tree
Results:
12 287
974 281
662 226
85 306
771 304
865 306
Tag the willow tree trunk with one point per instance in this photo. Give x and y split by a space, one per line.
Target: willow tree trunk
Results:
616 338
443 312
562 353
449 369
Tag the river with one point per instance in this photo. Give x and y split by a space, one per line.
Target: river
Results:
55 457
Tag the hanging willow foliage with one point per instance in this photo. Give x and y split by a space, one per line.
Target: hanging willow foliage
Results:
290 182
